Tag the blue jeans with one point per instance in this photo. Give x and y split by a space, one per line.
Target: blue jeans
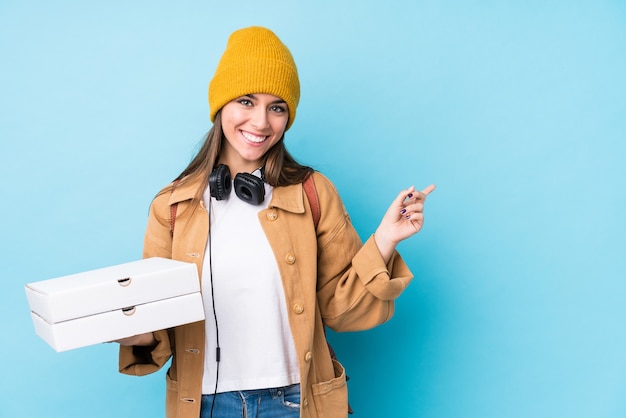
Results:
260 403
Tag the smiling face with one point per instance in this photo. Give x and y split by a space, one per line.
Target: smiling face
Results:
252 124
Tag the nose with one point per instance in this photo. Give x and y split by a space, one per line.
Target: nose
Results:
260 118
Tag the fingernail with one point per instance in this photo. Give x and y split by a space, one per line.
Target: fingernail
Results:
408 216
410 195
403 211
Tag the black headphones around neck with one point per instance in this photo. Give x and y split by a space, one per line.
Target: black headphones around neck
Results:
248 187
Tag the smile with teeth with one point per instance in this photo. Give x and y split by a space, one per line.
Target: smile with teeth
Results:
253 138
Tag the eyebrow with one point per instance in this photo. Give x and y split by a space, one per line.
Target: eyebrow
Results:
252 96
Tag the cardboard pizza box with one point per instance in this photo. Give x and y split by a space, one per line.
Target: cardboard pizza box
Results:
115 302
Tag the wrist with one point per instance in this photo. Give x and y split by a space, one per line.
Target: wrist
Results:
385 246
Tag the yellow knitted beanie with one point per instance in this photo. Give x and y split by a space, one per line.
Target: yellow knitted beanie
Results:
255 61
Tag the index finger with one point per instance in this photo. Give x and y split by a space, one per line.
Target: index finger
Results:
428 190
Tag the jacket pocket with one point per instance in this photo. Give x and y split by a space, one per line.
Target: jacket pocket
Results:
331 397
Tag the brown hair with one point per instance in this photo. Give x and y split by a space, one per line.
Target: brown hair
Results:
281 169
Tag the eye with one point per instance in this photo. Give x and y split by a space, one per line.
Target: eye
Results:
245 102
278 109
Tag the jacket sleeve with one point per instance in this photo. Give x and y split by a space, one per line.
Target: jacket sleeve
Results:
356 289
138 360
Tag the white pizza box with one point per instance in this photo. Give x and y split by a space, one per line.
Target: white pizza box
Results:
115 302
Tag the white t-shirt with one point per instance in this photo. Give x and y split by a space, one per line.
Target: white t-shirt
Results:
257 349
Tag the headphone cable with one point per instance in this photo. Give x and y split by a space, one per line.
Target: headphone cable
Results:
217 332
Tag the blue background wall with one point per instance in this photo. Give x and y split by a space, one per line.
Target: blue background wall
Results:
516 110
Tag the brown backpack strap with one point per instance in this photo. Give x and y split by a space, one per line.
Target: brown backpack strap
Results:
173 209
311 194
173 217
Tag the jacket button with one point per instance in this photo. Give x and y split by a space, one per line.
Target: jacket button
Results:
290 258
308 356
305 402
298 308
272 215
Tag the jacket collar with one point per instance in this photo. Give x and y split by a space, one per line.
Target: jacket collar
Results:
289 198
185 191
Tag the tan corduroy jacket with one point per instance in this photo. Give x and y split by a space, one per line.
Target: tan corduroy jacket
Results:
329 278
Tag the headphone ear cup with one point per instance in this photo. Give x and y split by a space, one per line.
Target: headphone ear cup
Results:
220 182
249 188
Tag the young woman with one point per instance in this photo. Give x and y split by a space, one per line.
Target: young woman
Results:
272 277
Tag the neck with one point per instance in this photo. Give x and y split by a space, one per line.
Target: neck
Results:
240 166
